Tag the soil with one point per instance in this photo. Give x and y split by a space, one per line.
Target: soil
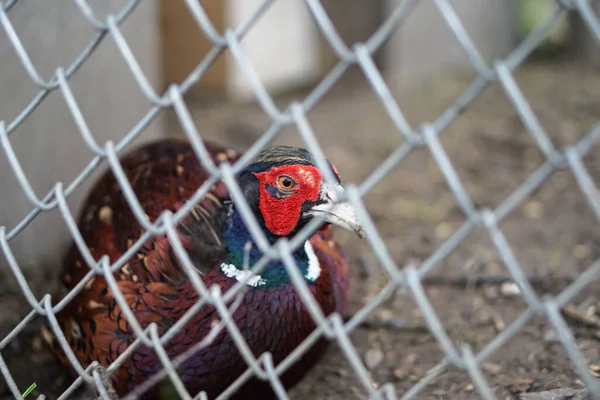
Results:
553 234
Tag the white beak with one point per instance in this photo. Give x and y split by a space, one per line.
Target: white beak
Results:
341 214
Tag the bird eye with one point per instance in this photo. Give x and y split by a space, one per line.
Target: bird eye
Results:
285 182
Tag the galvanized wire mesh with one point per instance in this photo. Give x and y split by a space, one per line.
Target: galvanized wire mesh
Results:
333 326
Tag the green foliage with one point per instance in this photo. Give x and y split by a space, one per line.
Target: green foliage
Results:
532 13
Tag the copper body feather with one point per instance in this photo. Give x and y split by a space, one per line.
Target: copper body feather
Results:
163 176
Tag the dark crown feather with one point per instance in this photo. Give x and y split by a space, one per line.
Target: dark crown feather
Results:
280 155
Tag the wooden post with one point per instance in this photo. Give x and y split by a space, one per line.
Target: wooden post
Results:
184 45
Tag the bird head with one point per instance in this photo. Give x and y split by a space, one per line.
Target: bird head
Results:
286 190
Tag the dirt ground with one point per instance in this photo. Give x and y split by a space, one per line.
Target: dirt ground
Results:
553 235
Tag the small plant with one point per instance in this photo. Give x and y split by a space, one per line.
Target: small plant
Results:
30 389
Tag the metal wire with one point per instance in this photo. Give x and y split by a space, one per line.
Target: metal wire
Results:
456 355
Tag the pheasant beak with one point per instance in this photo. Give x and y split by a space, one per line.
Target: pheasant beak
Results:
338 213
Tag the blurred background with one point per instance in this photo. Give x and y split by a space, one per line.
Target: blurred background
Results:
286 50
553 233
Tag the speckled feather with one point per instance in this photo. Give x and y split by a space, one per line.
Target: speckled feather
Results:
163 175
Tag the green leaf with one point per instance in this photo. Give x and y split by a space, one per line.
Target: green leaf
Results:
29 390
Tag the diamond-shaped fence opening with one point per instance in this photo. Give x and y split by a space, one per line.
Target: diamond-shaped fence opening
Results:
404 281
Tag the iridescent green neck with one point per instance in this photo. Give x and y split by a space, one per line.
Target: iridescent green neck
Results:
274 273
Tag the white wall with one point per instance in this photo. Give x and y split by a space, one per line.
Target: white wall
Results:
424 46
48 144
283 46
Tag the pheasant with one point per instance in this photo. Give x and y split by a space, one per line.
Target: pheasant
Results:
284 189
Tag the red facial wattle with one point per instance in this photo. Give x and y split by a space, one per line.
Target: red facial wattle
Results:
281 210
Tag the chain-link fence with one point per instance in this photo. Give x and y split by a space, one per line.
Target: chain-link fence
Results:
410 277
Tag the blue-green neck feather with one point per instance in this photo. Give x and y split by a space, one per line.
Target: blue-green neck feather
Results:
236 238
